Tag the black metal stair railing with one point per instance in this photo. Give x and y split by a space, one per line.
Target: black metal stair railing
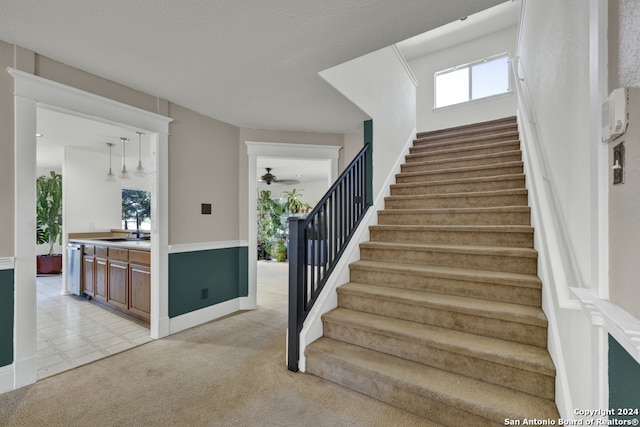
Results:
317 242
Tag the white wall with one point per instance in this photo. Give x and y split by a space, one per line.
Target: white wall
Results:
628 44
381 85
624 203
90 201
424 68
554 66
353 143
555 58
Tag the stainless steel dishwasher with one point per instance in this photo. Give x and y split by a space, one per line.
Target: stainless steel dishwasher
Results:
74 267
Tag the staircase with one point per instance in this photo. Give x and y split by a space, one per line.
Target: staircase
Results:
442 316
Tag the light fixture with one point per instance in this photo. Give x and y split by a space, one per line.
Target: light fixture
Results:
124 174
140 170
111 177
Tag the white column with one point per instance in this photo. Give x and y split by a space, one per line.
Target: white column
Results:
159 322
25 249
251 301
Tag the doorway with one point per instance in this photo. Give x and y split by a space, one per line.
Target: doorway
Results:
31 92
72 330
259 155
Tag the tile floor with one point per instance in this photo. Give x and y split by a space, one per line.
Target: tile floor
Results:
71 331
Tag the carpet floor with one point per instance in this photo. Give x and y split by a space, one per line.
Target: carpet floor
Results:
229 372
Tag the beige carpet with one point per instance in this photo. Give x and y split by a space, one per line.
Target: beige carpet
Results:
229 372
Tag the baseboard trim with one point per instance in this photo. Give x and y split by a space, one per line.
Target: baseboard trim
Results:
6 378
204 315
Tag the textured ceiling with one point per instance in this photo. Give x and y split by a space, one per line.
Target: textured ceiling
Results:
251 63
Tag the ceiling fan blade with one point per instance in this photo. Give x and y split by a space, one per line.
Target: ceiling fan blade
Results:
287 181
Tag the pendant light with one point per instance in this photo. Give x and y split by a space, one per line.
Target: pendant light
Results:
140 170
124 174
111 177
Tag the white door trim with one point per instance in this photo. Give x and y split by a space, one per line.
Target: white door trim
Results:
280 151
31 92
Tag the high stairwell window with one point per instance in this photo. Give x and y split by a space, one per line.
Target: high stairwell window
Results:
481 79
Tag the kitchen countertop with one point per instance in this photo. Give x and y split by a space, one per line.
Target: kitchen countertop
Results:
142 245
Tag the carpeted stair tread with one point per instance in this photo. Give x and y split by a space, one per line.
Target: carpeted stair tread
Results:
461 228
514 215
506 192
489 401
505 122
464 132
465 151
456 249
461 139
473 275
484 159
508 168
488 209
521 356
489 179
490 198
482 308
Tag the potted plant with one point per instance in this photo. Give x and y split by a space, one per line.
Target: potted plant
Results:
292 203
270 226
49 221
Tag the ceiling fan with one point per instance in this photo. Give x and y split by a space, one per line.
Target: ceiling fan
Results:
269 178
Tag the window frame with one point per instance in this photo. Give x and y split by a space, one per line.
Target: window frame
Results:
470 66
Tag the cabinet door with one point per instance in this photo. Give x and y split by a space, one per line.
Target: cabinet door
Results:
118 284
100 285
140 298
88 278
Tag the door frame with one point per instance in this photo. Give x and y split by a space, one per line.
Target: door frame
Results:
278 150
32 92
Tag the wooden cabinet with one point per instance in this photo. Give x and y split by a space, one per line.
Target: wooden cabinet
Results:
100 289
140 284
88 270
119 278
118 284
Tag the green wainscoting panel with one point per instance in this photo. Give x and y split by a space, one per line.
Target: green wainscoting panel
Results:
201 279
6 317
624 380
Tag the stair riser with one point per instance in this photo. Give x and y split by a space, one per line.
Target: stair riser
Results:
511 264
452 154
486 291
500 125
449 360
456 141
464 237
453 218
443 176
480 325
456 202
392 394
457 187
462 162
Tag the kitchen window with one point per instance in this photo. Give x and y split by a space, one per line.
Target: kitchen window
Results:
469 82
